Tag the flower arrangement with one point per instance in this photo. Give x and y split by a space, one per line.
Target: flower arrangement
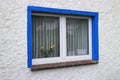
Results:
47 53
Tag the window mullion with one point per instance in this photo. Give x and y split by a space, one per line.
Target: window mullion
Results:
62 36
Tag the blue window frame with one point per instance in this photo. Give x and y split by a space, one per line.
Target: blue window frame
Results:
93 15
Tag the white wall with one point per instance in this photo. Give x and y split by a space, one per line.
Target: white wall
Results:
13 41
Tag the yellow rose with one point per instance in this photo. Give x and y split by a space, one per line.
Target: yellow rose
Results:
52 46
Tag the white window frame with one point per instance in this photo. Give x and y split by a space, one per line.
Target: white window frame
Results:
63 47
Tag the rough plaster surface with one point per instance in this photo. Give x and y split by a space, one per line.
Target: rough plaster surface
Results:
13 41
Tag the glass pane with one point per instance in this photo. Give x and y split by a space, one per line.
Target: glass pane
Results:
45 37
77 36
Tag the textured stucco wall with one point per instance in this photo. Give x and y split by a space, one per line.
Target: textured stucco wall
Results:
13 41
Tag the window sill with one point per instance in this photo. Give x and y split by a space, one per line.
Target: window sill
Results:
62 64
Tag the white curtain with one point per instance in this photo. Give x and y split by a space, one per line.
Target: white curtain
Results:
45 34
77 36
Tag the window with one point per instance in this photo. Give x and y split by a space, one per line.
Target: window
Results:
45 39
58 37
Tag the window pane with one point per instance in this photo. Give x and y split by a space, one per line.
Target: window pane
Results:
45 36
77 36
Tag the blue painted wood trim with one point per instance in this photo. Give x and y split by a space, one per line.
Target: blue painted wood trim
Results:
61 11
95 40
94 15
29 38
